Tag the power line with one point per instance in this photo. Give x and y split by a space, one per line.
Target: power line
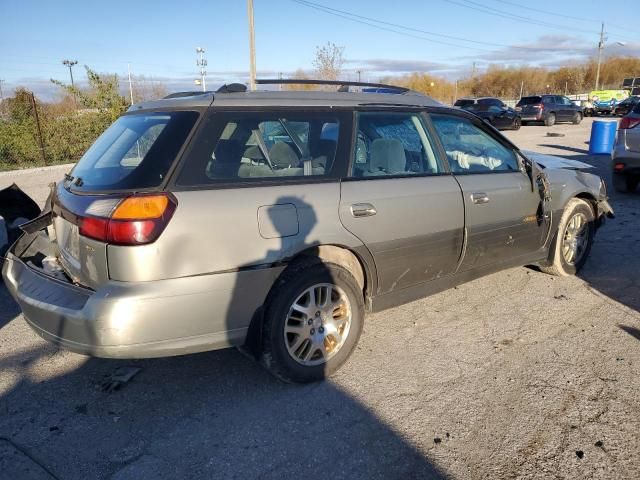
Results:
555 14
367 21
511 16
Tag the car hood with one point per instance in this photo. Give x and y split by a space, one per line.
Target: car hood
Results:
551 161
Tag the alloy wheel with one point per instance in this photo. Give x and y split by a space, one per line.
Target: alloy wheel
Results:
317 324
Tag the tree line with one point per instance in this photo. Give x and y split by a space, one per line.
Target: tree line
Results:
36 133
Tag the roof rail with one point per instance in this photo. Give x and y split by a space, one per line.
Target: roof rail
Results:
187 94
343 85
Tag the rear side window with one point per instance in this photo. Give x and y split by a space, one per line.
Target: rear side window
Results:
463 103
529 101
392 144
470 149
135 152
241 146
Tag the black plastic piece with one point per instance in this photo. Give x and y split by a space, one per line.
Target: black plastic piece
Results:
232 88
187 94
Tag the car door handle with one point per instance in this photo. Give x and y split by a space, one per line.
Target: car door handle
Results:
480 198
363 210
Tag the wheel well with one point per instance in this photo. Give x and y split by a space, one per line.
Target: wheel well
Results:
591 200
340 256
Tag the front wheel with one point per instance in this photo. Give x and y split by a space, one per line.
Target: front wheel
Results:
313 321
573 240
517 123
577 118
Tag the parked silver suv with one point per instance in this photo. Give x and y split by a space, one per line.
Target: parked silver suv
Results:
275 220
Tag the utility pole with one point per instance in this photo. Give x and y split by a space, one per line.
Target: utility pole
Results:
521 88
600 47
35 114
202 63
252 47
473 71
130 85
455 93
359 75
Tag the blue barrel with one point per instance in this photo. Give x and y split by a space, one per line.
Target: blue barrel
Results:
603 136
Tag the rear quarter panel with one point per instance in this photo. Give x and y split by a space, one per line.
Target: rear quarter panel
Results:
224 229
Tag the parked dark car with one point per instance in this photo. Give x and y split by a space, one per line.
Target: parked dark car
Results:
493 110
549 109
625 106
626 153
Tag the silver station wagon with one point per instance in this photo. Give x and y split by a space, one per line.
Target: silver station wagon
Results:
275 220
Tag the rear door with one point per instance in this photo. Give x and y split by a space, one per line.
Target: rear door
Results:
399 200
505 218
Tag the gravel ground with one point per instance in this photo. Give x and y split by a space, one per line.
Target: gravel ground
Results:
516 375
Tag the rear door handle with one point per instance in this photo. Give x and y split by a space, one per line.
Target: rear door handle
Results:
480 198
363 210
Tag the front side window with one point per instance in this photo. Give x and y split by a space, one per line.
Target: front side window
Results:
470 149
240 146
392 143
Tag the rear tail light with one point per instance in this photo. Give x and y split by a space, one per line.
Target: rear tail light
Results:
627 123
618 167
136 220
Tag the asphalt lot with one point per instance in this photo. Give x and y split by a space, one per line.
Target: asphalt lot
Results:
516 375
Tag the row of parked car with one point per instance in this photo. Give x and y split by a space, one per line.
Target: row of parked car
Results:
547 109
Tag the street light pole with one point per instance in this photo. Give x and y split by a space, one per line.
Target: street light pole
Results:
70 64
202 63
252 47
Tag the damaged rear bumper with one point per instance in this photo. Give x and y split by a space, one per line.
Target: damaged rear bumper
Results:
139 320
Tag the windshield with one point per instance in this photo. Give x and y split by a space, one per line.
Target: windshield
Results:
135 152
529 100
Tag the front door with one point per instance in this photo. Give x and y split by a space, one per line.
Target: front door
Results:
505 217
400 202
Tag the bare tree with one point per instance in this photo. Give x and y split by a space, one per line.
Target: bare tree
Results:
329 61
147 88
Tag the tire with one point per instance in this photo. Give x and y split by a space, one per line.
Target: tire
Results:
560 263
577 118
516 123
624 183
550 121
292 290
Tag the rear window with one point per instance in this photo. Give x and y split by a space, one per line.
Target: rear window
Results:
135 152
529 100
247 146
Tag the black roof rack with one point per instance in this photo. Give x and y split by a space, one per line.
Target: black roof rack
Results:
232 88
343 85
187 94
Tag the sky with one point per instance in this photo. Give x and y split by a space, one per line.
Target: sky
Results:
158 39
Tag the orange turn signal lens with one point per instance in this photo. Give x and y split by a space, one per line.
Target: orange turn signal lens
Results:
141 208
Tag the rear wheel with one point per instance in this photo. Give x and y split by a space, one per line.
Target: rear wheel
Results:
625 183
313 321
550 120
572 243
577 118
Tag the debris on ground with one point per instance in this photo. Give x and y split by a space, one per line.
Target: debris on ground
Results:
116 380
560 297
579 454
554 134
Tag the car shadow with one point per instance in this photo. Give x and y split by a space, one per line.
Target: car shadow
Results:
633 331
210 415
216 414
